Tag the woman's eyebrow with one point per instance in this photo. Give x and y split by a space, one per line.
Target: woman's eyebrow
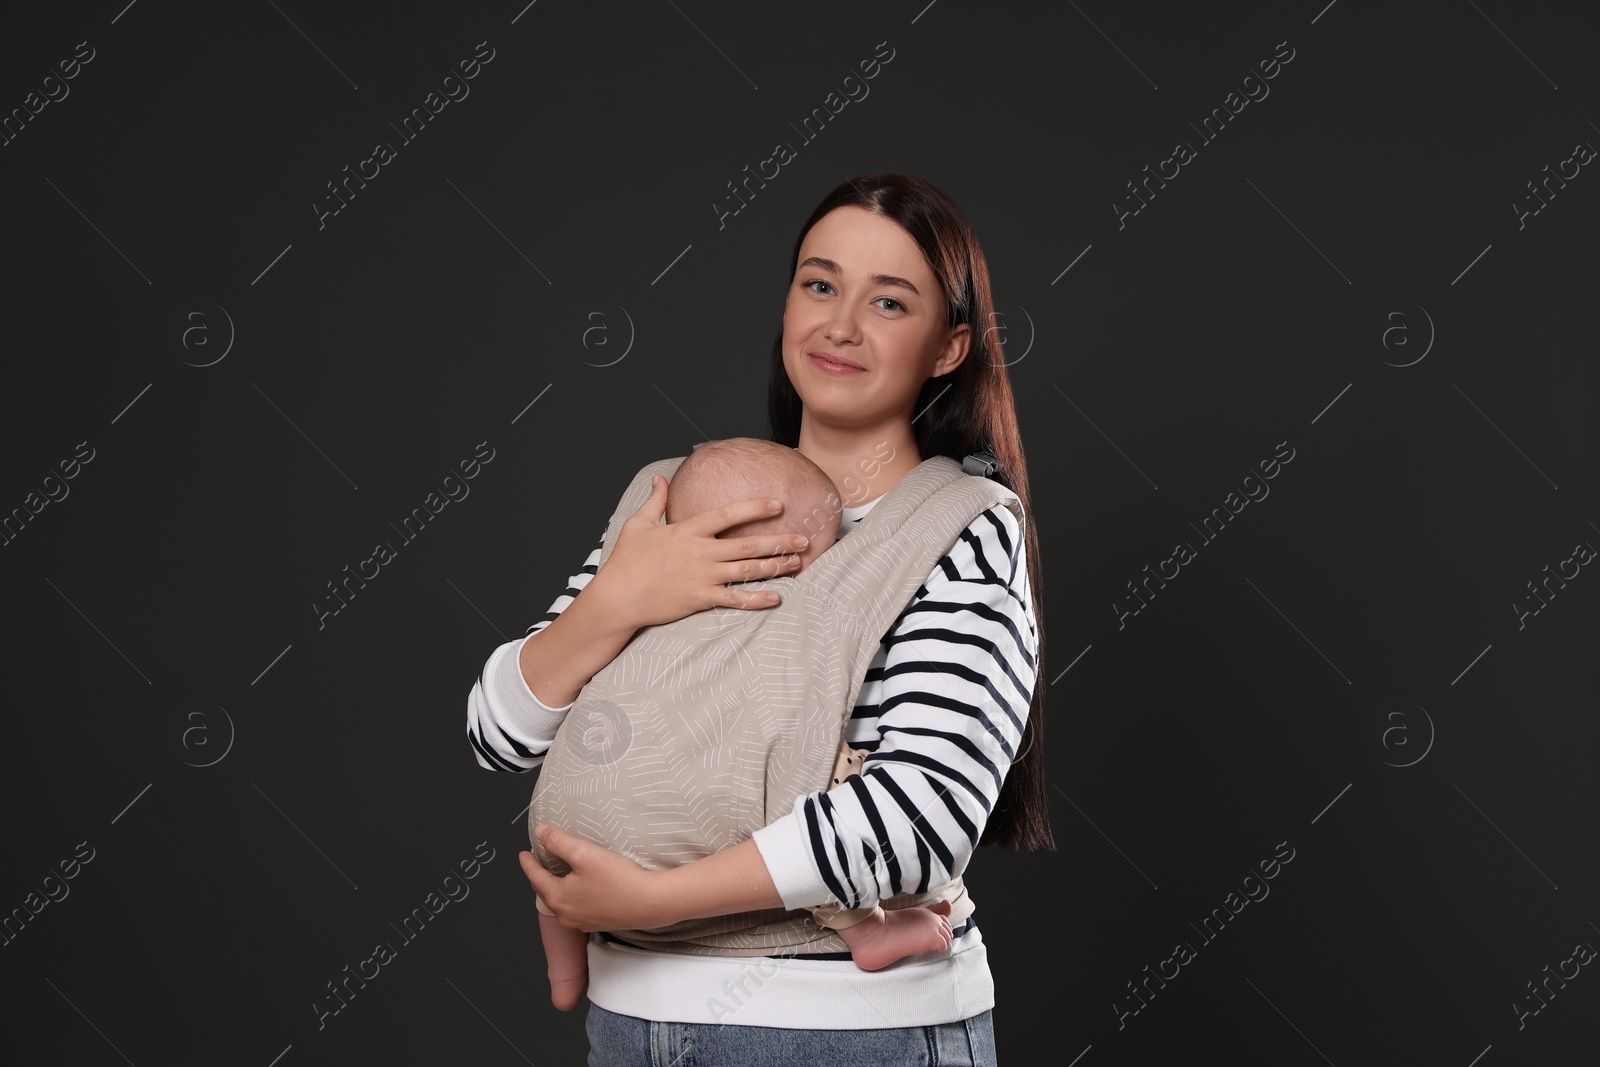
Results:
877 279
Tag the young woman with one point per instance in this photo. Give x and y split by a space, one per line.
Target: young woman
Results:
887 356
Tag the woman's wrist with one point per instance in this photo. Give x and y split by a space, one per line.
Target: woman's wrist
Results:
611 614
724 883
668 895
558 661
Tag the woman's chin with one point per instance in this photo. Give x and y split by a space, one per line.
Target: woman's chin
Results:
825 392
838 411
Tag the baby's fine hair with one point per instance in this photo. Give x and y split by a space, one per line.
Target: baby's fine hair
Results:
743 468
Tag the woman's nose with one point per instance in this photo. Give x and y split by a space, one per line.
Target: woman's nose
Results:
842 324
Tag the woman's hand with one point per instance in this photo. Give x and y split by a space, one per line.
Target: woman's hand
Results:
666 572
604 890
607 891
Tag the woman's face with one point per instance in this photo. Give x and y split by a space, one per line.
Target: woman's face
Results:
863 294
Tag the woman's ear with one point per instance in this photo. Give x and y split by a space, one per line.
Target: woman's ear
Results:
954 351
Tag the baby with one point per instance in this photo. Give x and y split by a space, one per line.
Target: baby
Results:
724 472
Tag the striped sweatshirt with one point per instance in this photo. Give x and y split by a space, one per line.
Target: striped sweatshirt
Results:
941 712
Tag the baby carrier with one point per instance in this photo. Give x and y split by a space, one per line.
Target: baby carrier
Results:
704 730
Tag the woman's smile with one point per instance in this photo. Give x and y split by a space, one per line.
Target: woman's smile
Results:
832 364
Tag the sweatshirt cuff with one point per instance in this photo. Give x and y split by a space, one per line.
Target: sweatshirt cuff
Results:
787 854
525 714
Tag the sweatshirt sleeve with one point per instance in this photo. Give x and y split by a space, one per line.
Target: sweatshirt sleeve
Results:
511 729
956 685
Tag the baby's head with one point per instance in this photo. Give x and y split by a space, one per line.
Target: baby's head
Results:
743 468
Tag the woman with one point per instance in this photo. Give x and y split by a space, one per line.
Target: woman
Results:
886 357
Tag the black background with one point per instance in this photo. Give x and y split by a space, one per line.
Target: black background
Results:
161 614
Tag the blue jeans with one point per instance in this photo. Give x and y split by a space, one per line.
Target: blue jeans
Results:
625 1041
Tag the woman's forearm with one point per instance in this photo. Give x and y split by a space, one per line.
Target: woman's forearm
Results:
724 883
558 661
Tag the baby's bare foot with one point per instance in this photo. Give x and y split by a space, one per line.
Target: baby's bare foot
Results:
893 935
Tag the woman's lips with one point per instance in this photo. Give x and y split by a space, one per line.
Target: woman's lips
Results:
832 366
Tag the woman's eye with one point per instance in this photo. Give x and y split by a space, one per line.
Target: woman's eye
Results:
826 290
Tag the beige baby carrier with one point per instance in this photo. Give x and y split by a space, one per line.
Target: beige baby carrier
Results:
704 730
